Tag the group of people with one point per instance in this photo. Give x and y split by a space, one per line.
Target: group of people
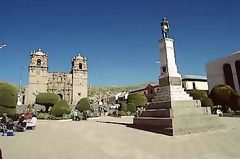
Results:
9 125
17 123
139 111
102 110
76 114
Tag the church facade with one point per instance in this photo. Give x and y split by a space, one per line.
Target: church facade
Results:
69 86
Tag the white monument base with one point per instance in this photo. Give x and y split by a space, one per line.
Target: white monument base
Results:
173 111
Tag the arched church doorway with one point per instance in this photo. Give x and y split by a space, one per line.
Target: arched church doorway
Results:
60 95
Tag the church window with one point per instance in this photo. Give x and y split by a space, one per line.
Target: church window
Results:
194 85
38 62
227 70
80 66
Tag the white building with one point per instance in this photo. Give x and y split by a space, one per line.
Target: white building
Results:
191 82
225 70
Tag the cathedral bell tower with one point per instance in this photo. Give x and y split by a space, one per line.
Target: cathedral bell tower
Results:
37 74
79 78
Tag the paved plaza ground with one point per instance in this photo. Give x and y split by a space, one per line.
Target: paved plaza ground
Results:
108 139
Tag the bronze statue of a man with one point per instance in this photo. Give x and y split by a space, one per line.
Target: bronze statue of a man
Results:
165 28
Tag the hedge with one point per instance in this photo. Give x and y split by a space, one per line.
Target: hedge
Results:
60 108
8 99
47 99
131 107
138 99
83 104
123 107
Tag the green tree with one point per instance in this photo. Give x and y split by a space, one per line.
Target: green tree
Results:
225 96
61 107
123 107
47 99
131 107
236 99
138 99
198 94
202 96
8 99
206 102
83 104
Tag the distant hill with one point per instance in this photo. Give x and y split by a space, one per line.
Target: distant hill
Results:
114 88
2 81
97 93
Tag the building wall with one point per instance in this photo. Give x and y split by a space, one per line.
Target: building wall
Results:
215 73
199 85
60 83
37 75
79 79
151 90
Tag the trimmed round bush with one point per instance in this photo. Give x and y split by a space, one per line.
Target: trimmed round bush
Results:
83 104
138 99
47 99
8 99
122 113
9 111
44 116
123 107
206 102
131 107
202 96
236 101
223 95
61 107
198 94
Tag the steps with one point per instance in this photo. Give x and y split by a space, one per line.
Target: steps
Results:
153 121
156 113
163 105
174 92
160 130
176 118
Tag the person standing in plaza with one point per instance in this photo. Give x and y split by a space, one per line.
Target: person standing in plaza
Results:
1 154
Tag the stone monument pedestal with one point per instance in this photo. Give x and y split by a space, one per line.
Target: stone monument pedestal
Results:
176 118
173 111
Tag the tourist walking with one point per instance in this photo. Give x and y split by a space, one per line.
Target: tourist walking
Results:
1 154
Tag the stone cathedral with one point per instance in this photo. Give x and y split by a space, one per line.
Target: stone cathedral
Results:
69 86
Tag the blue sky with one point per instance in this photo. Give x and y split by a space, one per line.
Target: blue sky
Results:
119 37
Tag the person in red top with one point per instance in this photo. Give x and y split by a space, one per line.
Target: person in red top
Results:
28 113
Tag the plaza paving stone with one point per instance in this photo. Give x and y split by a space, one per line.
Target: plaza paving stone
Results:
110 138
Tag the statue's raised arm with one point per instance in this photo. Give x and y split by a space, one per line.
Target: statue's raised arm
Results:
165 28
